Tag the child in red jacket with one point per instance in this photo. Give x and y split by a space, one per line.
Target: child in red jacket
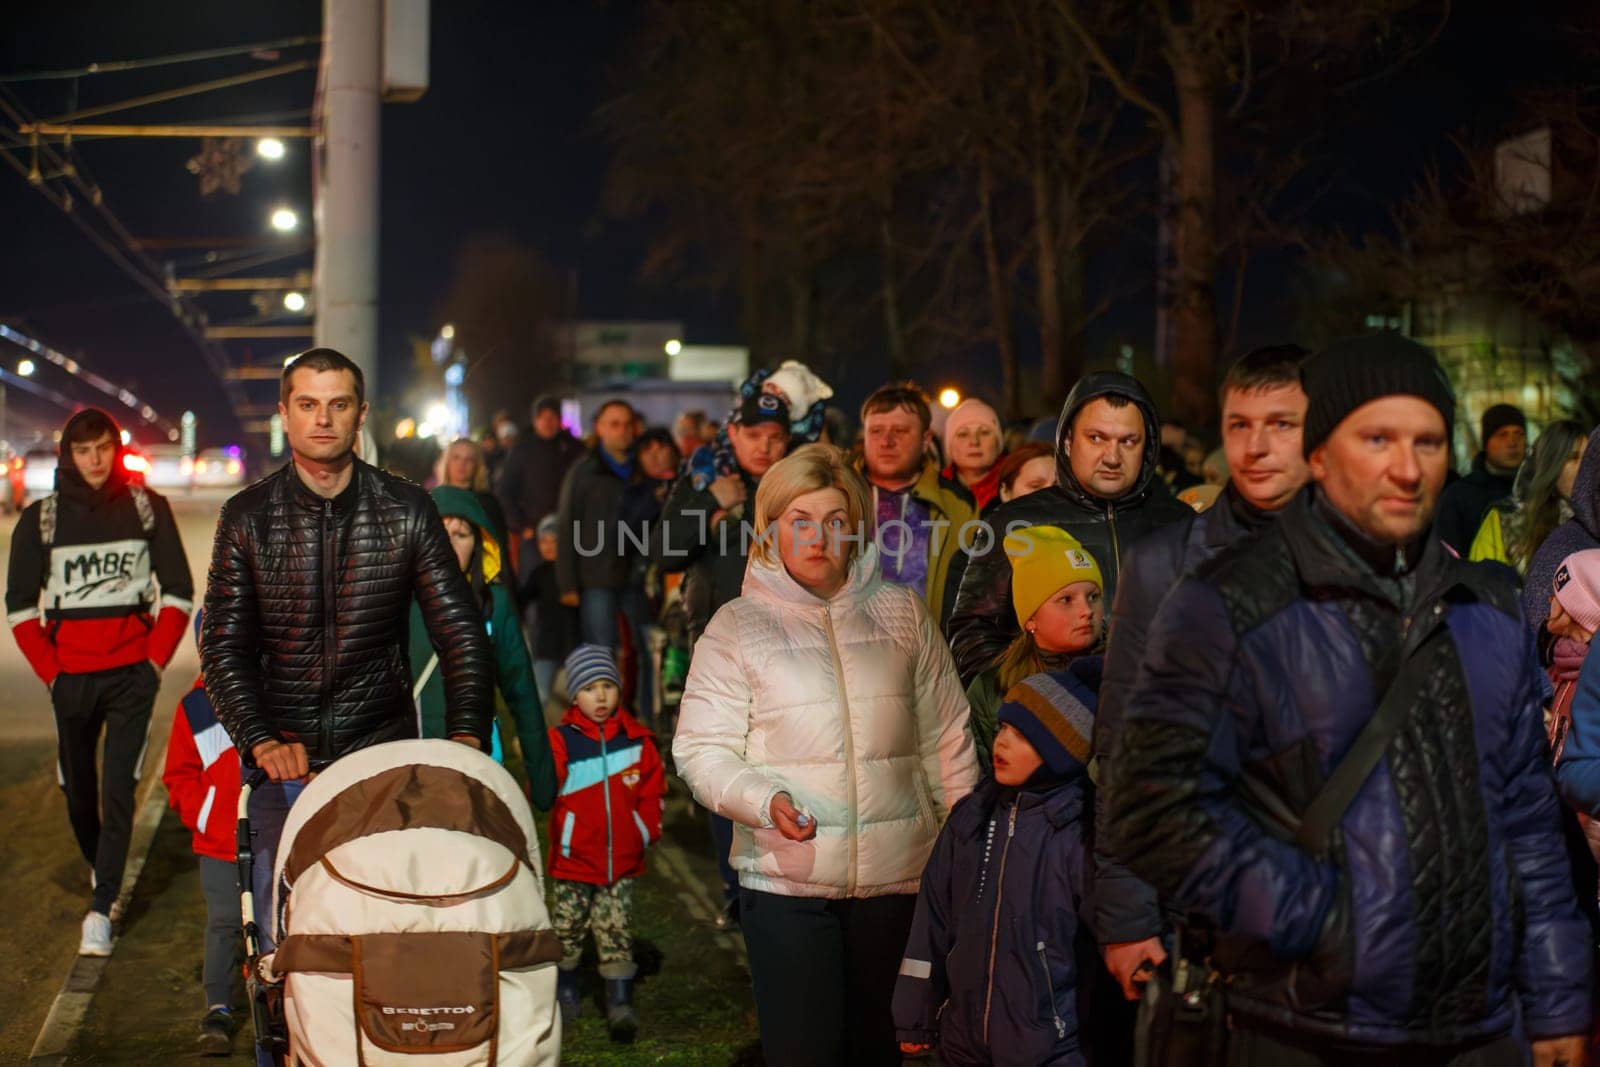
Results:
202 780
608 811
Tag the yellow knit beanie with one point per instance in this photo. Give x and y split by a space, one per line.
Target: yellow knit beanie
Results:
1045 559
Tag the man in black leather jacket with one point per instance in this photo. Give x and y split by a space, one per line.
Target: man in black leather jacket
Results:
1263 417
313 571
1107 495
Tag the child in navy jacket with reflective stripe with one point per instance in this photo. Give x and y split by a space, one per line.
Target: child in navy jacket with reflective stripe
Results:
610 792
991 971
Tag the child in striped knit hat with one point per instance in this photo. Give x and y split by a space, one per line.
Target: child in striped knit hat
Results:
996 932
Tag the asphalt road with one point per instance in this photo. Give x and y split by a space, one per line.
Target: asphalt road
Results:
46 881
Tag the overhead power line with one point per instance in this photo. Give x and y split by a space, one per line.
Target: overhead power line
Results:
161 61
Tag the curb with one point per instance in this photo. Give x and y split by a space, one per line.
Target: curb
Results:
71 1006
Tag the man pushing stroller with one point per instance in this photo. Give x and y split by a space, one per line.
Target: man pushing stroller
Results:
312 566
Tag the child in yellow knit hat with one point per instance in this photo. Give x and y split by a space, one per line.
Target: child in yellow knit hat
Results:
1056 591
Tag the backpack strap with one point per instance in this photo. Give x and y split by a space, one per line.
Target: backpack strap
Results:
47 519
1322 815
146 510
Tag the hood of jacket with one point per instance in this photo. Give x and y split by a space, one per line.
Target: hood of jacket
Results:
1586 488
454 502
1093 387
68 480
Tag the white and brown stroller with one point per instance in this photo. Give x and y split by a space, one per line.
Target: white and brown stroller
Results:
409 915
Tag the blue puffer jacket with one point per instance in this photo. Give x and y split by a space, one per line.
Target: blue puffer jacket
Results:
1126 908
1447 890
991 968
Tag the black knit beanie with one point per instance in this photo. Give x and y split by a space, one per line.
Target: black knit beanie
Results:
1499 417
1357 370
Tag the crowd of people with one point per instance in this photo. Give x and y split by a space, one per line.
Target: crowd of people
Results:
1101 748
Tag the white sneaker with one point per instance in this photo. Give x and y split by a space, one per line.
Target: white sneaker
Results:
96 935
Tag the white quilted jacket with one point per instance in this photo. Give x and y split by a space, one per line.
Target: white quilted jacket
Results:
852 706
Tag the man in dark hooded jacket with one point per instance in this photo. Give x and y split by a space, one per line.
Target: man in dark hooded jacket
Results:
1423 906
1493 477
82 600
1107 495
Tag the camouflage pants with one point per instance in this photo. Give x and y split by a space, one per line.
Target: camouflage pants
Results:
603 909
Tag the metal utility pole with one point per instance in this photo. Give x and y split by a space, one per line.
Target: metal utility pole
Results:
347 203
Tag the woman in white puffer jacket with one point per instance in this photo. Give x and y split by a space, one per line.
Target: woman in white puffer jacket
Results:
824 716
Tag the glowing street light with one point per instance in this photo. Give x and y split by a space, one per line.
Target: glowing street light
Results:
674 346
26 368
949 398
294 301
438 415
270 148
447 331
284 220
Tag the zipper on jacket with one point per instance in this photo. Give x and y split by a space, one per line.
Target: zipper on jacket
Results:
852 831
994 923
605 782
330 644
1055 1016
1116 549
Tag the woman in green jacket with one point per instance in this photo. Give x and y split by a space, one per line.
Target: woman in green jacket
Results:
480 554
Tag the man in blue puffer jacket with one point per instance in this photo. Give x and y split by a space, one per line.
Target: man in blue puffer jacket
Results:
1443 911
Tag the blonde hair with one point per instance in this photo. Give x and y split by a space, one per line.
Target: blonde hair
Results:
480 475
806 470
1021 659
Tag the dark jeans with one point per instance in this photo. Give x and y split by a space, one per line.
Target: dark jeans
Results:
824 974
219 881
1257 1048
100 808
268 809
597 617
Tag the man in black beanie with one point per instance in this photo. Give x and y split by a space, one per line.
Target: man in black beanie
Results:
1494 473
1334 754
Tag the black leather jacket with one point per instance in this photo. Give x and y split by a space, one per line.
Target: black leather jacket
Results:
307 610
982 623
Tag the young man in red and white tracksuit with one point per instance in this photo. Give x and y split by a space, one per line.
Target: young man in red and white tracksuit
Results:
611 788
82 602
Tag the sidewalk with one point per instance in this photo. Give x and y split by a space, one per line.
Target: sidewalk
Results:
694 997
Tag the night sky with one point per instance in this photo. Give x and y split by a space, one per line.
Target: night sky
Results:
504 142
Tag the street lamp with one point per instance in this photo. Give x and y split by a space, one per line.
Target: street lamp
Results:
447 331
26 368
284 220
294 301
949 398
270 148
674 346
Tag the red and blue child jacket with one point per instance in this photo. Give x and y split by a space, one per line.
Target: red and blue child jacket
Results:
611 790
202 776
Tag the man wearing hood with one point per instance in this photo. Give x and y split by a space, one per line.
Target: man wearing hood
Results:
93 553
1493 477
1107 495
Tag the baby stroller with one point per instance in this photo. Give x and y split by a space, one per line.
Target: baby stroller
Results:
409 915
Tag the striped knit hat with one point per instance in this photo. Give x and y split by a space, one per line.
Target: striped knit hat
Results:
588 664
1055 712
